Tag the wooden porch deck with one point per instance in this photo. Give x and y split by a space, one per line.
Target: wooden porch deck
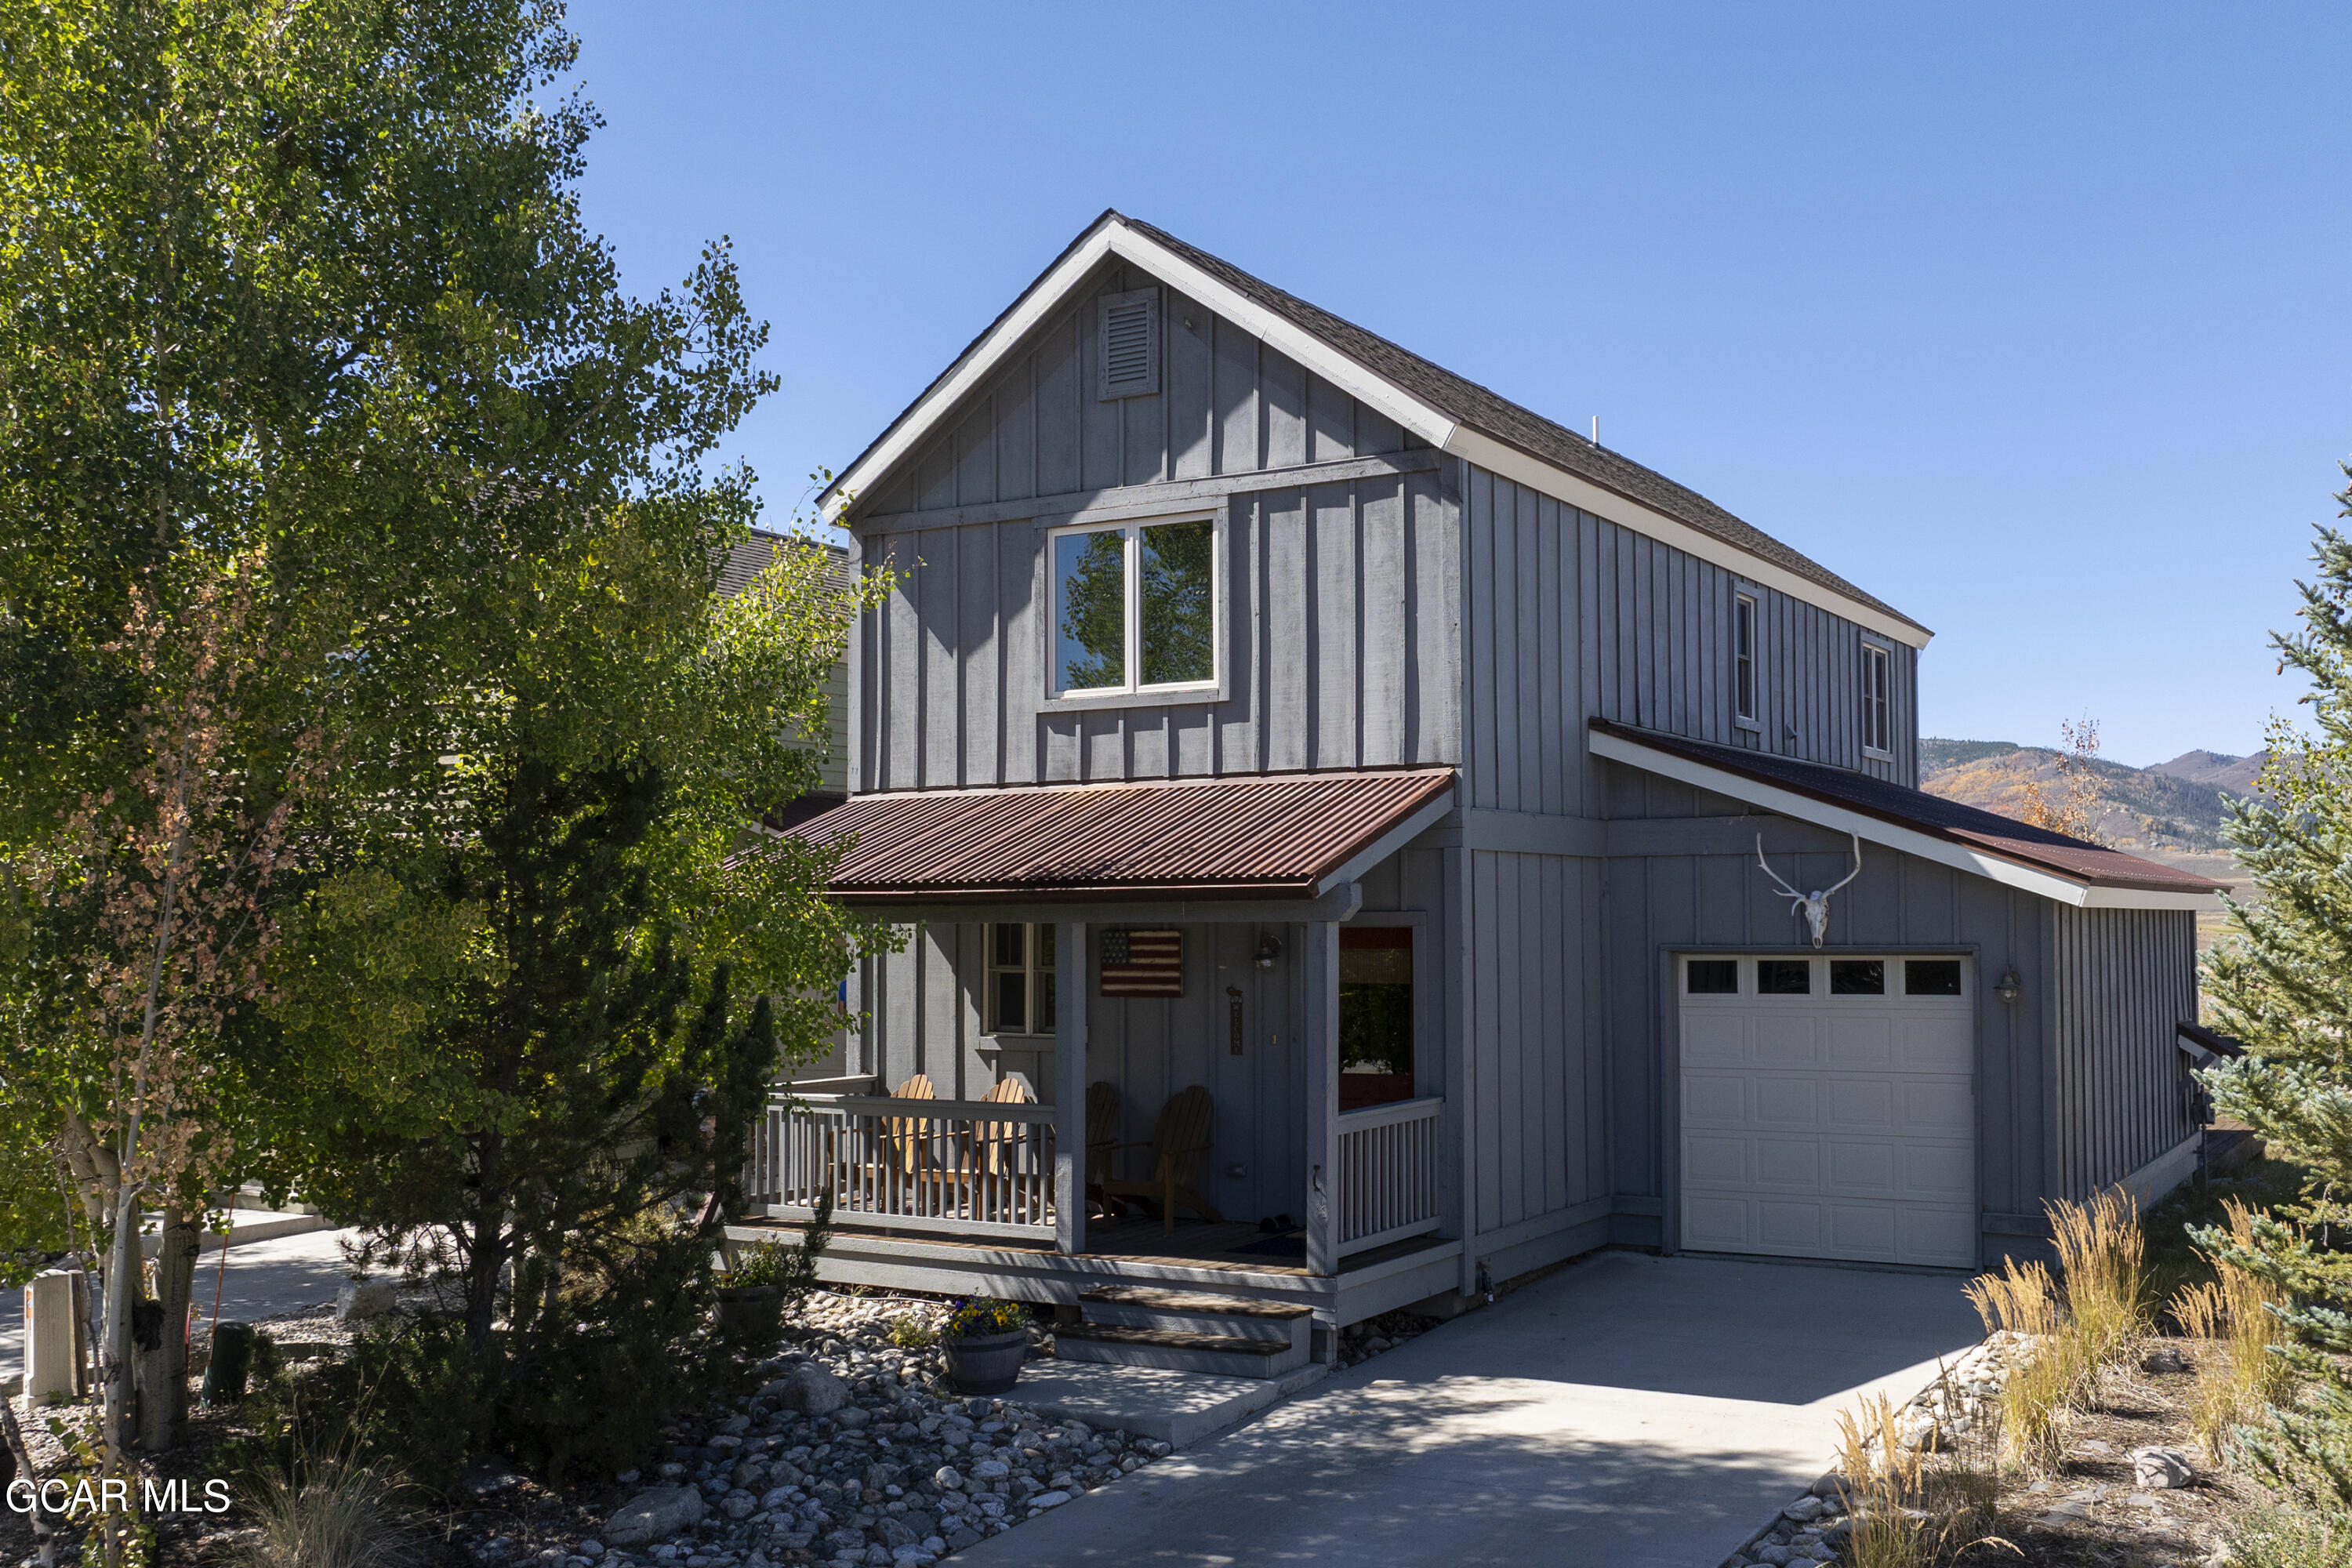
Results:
1199 1255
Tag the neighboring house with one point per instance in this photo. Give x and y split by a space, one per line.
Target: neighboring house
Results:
1263 708
752 555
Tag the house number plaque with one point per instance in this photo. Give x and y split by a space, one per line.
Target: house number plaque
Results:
1234 1009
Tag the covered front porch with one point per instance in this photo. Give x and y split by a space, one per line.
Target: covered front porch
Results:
1273 1051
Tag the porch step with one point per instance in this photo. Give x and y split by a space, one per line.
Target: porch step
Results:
1172 1350
1197 1312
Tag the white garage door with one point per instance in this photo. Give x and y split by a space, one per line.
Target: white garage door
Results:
1829 1106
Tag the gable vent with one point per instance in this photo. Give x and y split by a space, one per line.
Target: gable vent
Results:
1130 330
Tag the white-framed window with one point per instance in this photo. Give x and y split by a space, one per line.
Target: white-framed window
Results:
1743 657
1877 704
1020 979
1137 608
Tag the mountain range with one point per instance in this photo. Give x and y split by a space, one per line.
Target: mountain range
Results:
2172 811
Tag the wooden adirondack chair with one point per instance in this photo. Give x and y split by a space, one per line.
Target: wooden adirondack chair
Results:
903 1154
1102 1137
987 1176
1186 1131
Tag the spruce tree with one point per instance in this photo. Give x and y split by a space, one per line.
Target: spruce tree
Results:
2282 984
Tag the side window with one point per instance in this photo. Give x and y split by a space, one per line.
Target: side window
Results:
1135 608
1375 1054
1020 979
1743 657
1877 706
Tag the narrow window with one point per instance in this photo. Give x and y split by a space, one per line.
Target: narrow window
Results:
1743 655
1877 716
1178 591
1020 979
1090 629
1135 608
1375 1015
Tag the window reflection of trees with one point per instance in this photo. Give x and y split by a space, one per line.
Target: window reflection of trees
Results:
1179 591
1091 569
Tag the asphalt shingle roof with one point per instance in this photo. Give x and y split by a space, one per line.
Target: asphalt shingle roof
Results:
1465 402
1468 402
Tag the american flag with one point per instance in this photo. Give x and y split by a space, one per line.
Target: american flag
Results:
1143 963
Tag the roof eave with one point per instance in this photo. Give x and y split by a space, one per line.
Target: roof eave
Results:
1113 234
1110 235
1841 817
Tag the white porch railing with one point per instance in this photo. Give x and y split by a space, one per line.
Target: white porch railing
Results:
956 1166
1388 1173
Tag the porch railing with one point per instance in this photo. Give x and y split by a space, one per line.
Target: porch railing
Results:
956 1166
1388 1173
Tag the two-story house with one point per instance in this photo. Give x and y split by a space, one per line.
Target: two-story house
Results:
1264 709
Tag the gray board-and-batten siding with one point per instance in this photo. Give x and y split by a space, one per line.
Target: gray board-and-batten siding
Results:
2078 1083
929 1017
1547 1013
1386 604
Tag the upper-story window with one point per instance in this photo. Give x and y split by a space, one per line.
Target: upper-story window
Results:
1877 706
1743 657
1135 608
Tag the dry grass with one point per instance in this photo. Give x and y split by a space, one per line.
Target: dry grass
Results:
2047 1374
2103 1256
1904 1513
2240 1377
2077 1330
339 1515
1882 1487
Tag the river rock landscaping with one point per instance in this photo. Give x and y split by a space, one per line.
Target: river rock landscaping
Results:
851 1449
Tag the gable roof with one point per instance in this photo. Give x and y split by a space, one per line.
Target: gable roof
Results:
1448 411
2069 871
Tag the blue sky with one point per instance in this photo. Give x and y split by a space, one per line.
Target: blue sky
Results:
2033 320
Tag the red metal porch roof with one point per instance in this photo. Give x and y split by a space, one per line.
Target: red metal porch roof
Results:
1263 836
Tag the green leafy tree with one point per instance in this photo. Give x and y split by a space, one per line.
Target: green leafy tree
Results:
309 284
2282 984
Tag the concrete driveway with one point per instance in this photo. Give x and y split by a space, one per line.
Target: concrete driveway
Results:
1626 1411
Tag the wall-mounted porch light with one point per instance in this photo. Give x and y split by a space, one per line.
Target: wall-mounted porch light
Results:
2010 988
1269 948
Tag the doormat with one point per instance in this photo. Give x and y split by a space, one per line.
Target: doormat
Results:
1291 1246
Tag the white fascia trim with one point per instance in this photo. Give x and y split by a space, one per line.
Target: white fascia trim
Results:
1308 350
1805 808
1537 475
1041 302
1049 295
1429 815
2149 899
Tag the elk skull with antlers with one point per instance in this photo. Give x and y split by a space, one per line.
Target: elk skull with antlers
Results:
1815 905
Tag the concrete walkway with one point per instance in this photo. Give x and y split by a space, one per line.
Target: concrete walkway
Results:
1629 1411
263 1277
